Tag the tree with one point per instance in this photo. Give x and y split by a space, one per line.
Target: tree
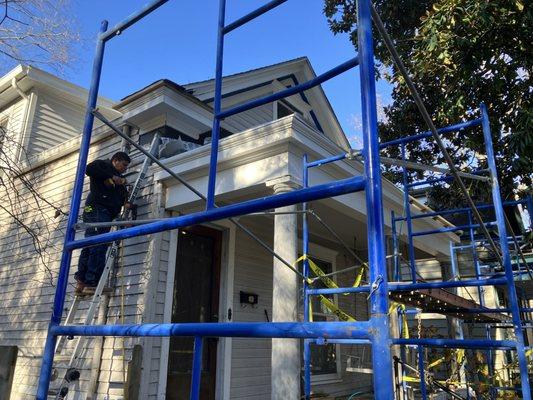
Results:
39 32
28 217
459 53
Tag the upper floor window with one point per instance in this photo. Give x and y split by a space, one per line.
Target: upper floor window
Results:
284 109
3 131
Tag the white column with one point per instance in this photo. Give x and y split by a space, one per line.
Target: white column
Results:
285 352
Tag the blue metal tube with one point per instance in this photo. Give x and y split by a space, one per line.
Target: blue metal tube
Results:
290 91
452 229
326 160
459 210
406 287
294 330
342 290
62 280
133 18
421 371
490 360
480 289
448 284
305 248
331 189
502 231
431 181
424 135
407 210
254 14
343 341
443 179
196 368
215 133
458 344
529 202
379 299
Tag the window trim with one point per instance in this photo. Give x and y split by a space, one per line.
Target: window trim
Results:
330 256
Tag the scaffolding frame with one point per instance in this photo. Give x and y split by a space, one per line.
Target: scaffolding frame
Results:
374 331
503 239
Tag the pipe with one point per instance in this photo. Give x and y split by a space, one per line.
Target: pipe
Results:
290 91
294 330
196 368
64 267
254 14
427 118
129 21
215 132
502 231
458 344
424 167
379 296
428 134
332 189
459 210
18 89
305 269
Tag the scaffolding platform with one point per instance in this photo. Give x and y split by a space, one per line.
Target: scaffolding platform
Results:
443 302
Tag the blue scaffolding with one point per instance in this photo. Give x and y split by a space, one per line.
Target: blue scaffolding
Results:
376 329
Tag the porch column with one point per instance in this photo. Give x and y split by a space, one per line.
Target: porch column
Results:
285 352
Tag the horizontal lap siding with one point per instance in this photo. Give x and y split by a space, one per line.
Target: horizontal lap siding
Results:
250 364
25 282
251 358
55 122
251 118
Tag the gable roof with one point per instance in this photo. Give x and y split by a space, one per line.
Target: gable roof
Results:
295 71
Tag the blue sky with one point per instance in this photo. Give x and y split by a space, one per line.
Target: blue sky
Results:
178 42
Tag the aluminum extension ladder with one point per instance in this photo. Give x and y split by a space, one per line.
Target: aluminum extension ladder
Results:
72 373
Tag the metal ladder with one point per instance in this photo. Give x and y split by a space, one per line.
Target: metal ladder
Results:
72 374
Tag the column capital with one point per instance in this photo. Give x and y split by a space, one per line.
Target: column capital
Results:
283 184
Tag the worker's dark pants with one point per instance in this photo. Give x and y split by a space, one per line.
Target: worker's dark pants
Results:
92 259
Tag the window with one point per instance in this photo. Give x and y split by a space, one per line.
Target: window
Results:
8 360
325 359
284 109
3 131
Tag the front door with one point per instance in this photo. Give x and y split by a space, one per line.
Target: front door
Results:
195 299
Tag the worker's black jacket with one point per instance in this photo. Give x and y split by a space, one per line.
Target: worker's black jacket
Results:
108 196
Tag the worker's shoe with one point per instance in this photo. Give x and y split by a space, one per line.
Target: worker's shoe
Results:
83 288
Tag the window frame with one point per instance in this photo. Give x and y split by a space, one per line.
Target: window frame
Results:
329 256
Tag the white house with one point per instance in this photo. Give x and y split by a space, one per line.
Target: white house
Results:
196 274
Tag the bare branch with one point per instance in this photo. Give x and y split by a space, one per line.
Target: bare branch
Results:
40 32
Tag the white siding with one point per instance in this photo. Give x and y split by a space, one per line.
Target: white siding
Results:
251 118
55 122
25 281
251 366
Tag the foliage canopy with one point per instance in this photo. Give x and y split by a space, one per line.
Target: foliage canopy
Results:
459 53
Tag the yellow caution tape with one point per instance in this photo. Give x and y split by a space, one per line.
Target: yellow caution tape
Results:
331 306
336 310
437 362
417 380
405 326
459 355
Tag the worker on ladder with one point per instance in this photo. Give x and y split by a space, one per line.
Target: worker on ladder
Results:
106 197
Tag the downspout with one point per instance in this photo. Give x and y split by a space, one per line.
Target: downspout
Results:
18 89
23 134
